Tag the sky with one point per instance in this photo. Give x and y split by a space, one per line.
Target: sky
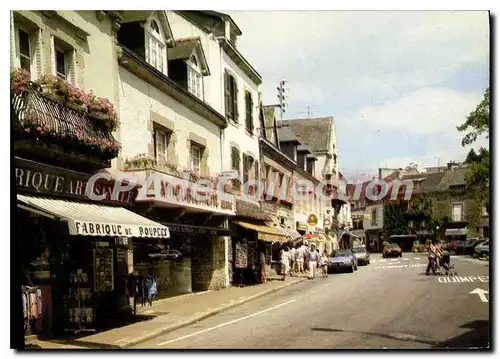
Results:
397 82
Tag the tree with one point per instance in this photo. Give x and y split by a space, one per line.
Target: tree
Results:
477 178
477 122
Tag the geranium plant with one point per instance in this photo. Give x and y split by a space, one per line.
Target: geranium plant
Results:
54 85
103 106
19 79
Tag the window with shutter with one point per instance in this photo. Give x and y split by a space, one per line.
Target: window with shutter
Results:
235 165
227 95
248 111
246 163
161 145
196 153
234 95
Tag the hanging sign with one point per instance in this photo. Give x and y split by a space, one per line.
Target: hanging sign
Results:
85 228
312 220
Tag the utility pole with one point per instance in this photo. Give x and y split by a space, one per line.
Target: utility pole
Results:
281 98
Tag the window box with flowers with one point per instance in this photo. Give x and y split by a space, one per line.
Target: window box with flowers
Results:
65 93
37 127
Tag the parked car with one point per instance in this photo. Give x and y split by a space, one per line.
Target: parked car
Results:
392 249
361 254
343 259
461 245
470 248
483 249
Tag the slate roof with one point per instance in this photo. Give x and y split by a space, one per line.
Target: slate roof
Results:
286 134
315 132
430 182
454 177
184 48
303 148
250 210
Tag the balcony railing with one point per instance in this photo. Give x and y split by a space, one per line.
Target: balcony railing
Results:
44 125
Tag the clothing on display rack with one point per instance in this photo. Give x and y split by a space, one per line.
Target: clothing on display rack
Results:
32 305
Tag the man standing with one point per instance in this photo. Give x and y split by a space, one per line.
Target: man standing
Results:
285 261
313 261
262 262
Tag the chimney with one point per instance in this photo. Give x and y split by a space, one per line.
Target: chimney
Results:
380 173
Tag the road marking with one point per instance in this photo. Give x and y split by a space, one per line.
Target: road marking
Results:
227 323
394 260
405 259
417 259
382 260
481 293
460 279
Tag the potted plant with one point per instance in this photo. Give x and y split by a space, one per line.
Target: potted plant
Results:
19 80
53 87
102 110
77 99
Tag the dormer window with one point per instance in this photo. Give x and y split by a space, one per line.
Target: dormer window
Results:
195 80
155 47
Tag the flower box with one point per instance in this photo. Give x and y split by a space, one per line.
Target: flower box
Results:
80 107
98 115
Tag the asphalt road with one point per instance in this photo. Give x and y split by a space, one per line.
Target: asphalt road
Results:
388 304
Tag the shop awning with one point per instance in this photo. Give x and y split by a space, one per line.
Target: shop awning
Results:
456 232
88 219
264 232
293 234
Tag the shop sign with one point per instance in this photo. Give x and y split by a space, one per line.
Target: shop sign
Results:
456 232
190 230
301 226
182 192
84 228
48 180
312 220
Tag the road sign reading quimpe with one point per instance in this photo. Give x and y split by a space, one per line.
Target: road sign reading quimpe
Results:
460 279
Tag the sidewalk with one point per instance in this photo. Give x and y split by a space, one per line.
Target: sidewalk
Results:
169 315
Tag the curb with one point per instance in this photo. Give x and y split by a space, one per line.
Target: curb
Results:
192 320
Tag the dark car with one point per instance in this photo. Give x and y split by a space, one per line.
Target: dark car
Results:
461 245
362 256
469 249
392 250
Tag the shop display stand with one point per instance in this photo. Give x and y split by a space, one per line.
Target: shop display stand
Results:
80 328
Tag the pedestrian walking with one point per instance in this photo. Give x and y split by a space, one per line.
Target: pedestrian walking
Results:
299 255
262 262
306 257
285 261
324 264
293 253
313 261
431 257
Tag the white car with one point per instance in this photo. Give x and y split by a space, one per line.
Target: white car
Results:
483 249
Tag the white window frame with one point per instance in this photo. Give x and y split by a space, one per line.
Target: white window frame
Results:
195 79
193 156
154 40
461 205
18 48
32 49
161 156
69 59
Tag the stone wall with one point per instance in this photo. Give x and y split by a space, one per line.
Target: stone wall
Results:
173 277
208 263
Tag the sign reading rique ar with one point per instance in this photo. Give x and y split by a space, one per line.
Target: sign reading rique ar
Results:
48 180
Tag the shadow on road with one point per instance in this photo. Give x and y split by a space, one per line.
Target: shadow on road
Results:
476 338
